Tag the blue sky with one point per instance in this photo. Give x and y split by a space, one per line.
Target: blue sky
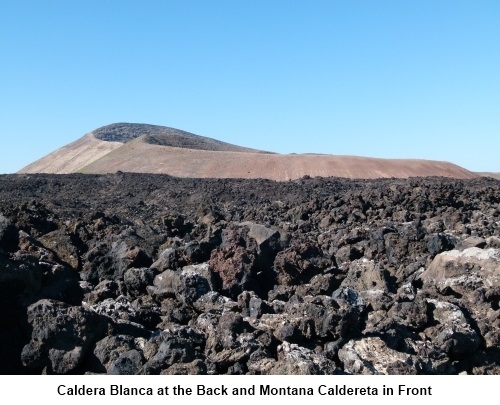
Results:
393 79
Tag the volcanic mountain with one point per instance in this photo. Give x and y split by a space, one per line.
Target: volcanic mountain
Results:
146 148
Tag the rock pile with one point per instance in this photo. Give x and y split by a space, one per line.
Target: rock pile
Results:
149 274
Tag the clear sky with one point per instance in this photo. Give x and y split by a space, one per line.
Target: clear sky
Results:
395 79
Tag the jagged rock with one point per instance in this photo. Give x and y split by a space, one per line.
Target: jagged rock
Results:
320 284
147 312
178 345
372 356
196 367
464 271
348 253
111 259
262 234
165 285
282 326
294 359
61 243
117 309
431 359
488 323
299 263
173 311
127 363
230 325
136 280
414 314
440 242
108 350
234 264
249 277
104 290
253 306
193 283
318 318
29 246
370 282
62 335
281 293
493 242
233 359
214 302
60 283
245 257
187 285
453 334
471 241
170 259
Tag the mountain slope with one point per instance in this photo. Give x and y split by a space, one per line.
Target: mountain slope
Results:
141 157
72 157
146 148
490 174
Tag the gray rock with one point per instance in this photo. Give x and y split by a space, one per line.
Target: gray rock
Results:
177 345
117 309
372 356
196 367
137 280
192 283
440 242
297 360
471 241
127 363
465 270
453 334
62 335
165 285
108 349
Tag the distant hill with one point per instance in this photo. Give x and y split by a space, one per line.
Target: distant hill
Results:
145 148
490 174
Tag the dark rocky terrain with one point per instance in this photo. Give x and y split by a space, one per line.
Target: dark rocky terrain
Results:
150 274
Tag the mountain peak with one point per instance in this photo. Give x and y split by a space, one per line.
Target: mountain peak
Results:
164 136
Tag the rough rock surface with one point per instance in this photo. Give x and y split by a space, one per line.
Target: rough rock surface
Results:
150 274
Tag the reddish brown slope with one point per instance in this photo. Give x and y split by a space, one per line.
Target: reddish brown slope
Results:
139 156
147 148
72 157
